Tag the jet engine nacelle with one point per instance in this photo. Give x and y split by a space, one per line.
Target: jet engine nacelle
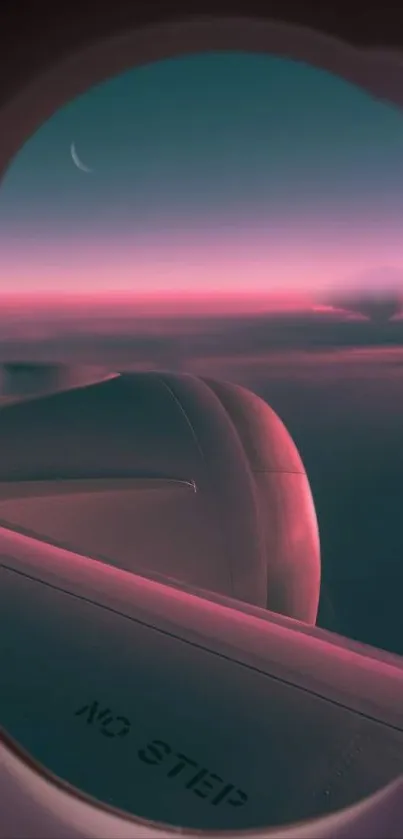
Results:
195 479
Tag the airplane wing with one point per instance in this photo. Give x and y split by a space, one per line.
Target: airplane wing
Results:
184 710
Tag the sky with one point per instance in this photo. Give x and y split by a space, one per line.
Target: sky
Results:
215 174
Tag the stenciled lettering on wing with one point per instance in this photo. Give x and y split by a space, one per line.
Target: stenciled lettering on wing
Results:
175 765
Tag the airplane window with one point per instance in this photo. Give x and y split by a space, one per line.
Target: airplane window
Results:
236 217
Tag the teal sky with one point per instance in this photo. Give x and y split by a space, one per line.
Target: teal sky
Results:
222 171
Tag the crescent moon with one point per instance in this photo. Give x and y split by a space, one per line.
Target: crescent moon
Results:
76 160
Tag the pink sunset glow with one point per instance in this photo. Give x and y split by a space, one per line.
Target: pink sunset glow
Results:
228 271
